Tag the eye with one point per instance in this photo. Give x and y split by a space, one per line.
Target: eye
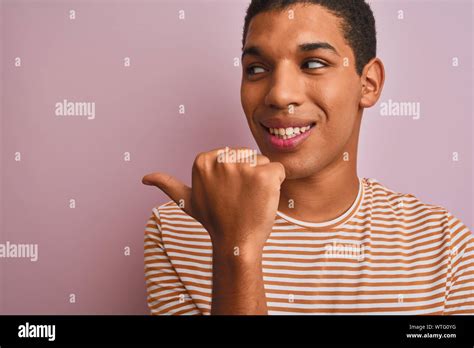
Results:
315 64
254 70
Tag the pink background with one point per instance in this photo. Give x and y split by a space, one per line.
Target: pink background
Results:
187 62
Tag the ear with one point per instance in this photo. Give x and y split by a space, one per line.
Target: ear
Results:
372 80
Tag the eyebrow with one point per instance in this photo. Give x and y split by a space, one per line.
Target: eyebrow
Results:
306 47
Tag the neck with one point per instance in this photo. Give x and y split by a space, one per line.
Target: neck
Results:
319 198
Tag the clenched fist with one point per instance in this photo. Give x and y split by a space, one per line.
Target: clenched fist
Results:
235 202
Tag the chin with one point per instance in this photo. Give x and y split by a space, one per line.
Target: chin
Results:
297 169
298 173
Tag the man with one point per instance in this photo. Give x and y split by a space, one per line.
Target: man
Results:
298 232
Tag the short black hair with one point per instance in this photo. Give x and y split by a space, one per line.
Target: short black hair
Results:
358 23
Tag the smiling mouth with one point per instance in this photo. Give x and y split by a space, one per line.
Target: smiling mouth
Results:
289 132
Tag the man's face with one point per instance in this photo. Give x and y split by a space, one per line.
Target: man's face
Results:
285 87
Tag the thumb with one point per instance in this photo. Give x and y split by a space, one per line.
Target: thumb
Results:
174 188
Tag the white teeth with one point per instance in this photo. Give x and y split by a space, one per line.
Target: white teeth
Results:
288 133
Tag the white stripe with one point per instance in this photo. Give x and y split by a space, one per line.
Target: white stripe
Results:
155 257
295 297
170 240
179 229
179 247
296 305
348 281
329 312
349 287
350 264
167 219
189 306
196 258
182 217
151 229
204 235
354 272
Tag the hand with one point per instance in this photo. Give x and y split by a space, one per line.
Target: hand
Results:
235 202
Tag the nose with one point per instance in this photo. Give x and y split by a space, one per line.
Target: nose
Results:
287 87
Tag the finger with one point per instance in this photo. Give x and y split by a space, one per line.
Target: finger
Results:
262 160
278 168
174 188
255 159
258 160
240 155
222 150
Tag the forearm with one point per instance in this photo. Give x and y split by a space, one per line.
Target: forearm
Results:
237 283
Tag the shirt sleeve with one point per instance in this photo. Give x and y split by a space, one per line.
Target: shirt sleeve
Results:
460 287
166 294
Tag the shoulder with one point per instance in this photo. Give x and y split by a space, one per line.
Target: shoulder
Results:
166 207
413 212
170 213
403 203
379 193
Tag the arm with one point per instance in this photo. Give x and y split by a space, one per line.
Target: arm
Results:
236 203
165 292
237 283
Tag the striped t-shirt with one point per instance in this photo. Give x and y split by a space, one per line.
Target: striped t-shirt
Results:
388 253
